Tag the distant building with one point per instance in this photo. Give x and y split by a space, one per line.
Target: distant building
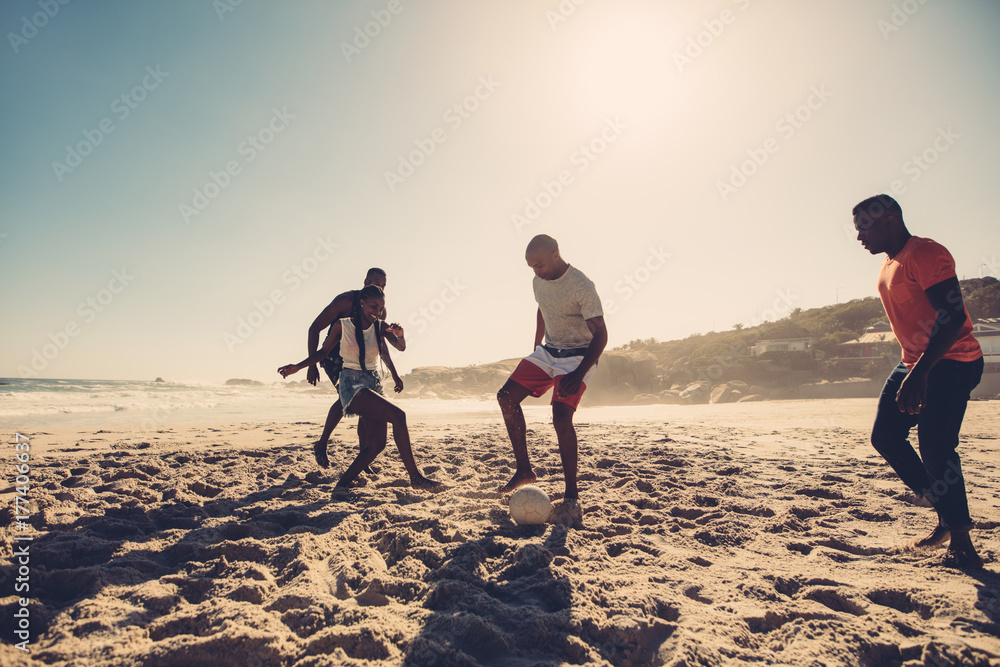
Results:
876 342
987 332
790 344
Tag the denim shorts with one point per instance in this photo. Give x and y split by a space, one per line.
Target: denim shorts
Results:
352 381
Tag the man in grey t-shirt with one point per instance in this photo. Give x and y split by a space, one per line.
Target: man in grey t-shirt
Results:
570 320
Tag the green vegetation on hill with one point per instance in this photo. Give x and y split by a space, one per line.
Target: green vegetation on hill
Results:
721 356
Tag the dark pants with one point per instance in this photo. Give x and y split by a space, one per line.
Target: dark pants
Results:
937 472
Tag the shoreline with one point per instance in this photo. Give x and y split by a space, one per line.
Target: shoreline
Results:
314 407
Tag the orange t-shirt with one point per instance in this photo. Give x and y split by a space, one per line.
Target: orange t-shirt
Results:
902 281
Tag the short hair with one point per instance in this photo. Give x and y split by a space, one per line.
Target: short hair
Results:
874 208
377 270
542 242
371 291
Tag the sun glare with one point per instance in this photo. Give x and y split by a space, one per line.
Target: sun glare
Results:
623 66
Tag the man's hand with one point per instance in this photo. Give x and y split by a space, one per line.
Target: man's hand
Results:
395 329
312 375
290 369
569 384
399 384
912 393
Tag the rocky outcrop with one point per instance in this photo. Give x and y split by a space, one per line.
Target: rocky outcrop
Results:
699 391
236 382
444 382
622 376
730 392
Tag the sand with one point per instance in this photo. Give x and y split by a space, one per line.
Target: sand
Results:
758 534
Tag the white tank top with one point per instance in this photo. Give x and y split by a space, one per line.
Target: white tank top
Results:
349 346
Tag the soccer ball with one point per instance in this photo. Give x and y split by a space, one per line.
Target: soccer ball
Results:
529 505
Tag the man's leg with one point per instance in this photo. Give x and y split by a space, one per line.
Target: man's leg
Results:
333 418
332 365
509 397
890 433
949 386
562 419
890 438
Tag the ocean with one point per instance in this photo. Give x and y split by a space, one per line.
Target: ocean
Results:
31 404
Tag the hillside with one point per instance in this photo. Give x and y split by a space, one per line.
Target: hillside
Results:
719 367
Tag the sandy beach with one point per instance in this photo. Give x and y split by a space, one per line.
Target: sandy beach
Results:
760 533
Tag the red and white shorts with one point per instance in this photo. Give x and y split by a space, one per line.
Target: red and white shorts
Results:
539 371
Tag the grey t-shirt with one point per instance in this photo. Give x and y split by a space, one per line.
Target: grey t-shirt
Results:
566 304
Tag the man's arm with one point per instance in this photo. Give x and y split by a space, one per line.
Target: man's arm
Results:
539 329
333 312
570 383
946 299
395 335
328 344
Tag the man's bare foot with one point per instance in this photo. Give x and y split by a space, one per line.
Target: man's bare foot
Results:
519 479
423 484
961 553
319 451
938 536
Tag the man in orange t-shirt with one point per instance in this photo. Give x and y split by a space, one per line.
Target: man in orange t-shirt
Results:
942 363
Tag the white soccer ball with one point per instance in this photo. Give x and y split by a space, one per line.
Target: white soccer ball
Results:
529 505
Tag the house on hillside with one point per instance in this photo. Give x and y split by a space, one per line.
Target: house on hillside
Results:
876 342
797 341
987 332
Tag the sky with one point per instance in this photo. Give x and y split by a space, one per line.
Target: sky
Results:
185 185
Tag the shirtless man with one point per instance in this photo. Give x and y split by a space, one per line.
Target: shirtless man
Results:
930 388
342 306
570 322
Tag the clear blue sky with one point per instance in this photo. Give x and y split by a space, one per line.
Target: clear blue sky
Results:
171 170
